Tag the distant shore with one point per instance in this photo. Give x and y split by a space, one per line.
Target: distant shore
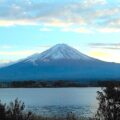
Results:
54 84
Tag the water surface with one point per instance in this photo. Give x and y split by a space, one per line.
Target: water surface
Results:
54 101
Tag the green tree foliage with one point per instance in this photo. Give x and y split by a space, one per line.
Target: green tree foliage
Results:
109 102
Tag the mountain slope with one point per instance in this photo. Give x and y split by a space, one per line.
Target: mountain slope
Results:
60 62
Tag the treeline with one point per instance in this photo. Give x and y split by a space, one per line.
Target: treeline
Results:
42 84
55 84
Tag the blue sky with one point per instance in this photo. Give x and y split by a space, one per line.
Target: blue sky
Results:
30 26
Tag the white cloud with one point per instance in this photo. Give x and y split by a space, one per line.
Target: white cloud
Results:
100 15
57 23
3 61
45 29
8 23
17 53
29 2
24 53
105 55
109 46
108 30
43 47
6 46
91 3
105 51
77 30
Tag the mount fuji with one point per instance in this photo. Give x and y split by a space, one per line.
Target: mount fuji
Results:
61 62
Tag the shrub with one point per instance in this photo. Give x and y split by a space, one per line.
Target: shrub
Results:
14 111
109 103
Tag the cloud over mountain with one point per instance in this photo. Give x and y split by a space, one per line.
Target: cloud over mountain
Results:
112 46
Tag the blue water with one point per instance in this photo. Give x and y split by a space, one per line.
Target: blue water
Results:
54 101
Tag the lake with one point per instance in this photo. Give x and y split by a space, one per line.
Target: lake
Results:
54 101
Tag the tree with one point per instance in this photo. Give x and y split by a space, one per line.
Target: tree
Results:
109 102
2 112
14 111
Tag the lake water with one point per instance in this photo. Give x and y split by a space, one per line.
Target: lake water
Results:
54 101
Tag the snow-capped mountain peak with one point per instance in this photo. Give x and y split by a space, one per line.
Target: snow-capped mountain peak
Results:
57 52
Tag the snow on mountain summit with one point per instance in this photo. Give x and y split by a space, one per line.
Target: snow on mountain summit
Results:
59 51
